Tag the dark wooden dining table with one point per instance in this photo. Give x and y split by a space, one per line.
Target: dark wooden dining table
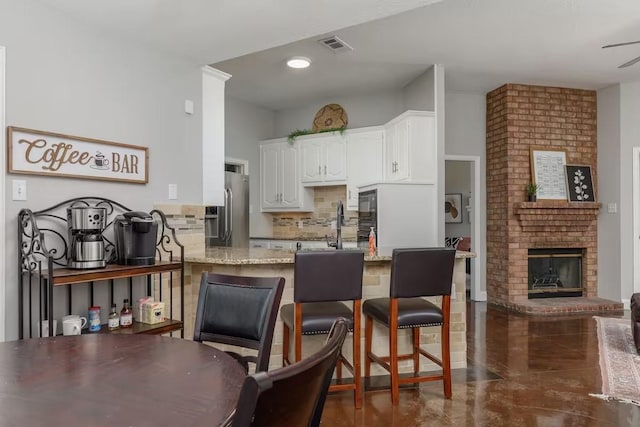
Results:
116 380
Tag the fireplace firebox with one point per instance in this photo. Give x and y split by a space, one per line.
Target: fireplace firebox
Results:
555 272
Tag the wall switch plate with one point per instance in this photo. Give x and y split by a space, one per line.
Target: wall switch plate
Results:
612 207
334 225
19 189
188 106
300 224
173 191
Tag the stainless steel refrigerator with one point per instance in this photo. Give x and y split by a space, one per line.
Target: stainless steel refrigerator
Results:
228 225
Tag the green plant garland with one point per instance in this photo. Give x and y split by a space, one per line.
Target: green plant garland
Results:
300 132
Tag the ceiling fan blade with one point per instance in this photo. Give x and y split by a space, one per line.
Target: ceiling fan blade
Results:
620 44
633 61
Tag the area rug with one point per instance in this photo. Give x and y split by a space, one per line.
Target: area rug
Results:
619 361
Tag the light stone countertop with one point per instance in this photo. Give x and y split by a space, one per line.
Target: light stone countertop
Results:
244 256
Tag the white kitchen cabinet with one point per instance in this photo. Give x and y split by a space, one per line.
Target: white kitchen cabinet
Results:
365 153
280 179
410 148
323 159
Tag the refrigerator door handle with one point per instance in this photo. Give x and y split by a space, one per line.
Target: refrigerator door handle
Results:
229 214
225 232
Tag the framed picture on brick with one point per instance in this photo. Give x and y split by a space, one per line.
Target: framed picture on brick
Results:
547 171
580 184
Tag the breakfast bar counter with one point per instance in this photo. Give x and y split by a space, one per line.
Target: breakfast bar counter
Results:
261 262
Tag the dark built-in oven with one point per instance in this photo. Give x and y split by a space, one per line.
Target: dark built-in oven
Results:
367 216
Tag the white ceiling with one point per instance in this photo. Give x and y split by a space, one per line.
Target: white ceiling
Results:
481 43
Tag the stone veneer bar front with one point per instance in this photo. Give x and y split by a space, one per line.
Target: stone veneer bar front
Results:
279 263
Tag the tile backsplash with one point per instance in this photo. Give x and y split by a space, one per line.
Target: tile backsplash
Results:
317 224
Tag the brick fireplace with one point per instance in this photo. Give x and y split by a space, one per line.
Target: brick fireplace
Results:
519 117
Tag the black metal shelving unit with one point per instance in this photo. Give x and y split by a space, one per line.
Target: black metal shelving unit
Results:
42 263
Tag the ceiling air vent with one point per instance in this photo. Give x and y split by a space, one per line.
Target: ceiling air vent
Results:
335 45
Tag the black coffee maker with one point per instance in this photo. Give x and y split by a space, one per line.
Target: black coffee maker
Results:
135 238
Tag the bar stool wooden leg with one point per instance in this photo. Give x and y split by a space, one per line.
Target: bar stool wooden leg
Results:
416 350
285 344
298 332
446 346
368 336
393 351
357 375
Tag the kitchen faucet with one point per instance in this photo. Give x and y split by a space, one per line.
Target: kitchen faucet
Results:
339 223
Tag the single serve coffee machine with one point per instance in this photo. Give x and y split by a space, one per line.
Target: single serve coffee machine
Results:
86 245
135 235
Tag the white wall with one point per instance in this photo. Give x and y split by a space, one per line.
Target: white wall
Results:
419 93
458 180
370 109
629 138
465 133
608 191
245 125
63 76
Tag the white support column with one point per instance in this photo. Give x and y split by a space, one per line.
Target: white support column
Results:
438 94
213 138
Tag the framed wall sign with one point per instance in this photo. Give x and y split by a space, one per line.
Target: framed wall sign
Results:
35 152
453 208
580 184
547 171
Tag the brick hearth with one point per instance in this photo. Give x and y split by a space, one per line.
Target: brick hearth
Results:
520 117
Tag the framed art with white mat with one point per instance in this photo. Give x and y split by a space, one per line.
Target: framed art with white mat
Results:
547 171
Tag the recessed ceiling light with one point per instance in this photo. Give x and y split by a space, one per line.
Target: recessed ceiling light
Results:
298 62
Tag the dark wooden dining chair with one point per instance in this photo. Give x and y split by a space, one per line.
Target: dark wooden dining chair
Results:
415 273
293 395
322 281
239 311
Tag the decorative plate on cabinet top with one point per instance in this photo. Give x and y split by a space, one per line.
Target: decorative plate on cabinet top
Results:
331 116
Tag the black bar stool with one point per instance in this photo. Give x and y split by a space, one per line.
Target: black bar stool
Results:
322 280
415 273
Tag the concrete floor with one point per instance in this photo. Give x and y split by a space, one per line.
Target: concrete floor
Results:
523 371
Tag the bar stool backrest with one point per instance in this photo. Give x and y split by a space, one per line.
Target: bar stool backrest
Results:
333 275
421 272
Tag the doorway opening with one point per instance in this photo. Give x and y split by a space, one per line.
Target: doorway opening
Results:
462 177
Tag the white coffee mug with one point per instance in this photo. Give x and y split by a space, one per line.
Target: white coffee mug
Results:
75 316
73 326
45 328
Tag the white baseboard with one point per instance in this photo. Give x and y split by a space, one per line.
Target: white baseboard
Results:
482 297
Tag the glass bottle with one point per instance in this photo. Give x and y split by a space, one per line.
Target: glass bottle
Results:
126 315
114 318
372 242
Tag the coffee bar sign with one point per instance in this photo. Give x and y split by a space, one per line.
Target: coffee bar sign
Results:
44 153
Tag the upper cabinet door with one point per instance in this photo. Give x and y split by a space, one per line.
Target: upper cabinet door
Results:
269 179
311 160
401 150
335 166
281 190
323 160
410 147
290 181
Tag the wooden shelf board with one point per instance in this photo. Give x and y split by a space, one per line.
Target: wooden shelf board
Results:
142 328
68 276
